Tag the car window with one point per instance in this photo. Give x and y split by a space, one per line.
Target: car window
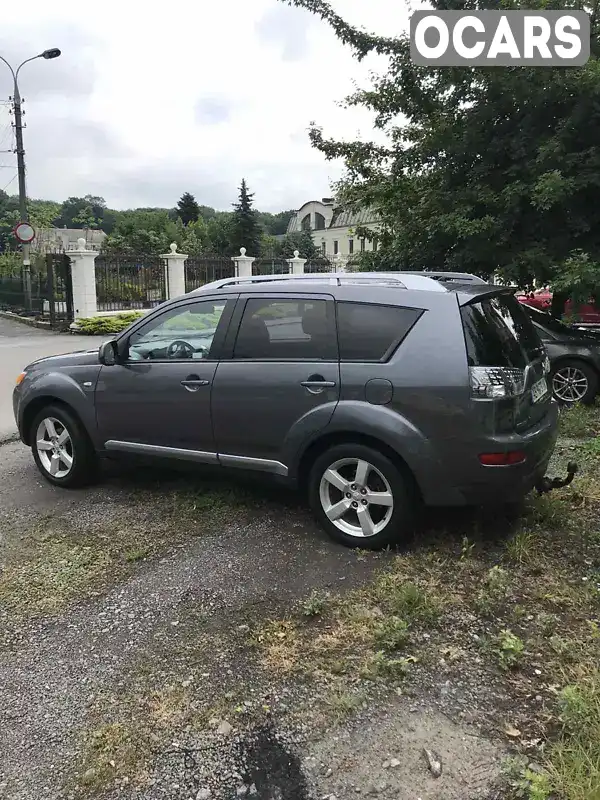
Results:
286 329
369 332
498 333
183 334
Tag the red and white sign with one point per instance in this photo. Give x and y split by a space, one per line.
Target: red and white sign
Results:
24 232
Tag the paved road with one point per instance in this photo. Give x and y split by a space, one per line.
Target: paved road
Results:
19 346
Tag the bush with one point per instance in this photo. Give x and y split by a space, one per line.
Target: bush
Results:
101 325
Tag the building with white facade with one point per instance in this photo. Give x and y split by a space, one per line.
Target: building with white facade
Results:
334 229
59 240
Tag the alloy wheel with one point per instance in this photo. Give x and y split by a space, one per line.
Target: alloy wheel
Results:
569 384
356 497
54 447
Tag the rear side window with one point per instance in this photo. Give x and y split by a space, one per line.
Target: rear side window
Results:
283 330
498 333
369 332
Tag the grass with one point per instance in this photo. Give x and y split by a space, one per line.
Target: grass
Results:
580 421
59 562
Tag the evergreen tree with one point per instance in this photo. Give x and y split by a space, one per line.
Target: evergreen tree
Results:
188 209
245 228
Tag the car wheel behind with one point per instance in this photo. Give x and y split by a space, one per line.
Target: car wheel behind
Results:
574 381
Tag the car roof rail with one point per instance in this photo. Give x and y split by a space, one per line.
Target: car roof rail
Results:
402 280
336 278
447 277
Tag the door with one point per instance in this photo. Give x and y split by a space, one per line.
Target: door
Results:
281 378
158 400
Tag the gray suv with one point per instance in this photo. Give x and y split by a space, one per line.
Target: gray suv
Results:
372 393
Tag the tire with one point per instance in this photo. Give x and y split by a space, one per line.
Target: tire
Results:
64 439
574 381
346 464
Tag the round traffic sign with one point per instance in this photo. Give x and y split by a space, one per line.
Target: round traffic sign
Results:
24 232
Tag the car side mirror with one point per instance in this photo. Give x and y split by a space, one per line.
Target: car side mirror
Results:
108 354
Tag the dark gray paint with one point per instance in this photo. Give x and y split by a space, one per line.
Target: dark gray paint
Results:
259 415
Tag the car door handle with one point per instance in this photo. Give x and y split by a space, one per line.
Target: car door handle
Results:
316 383
193 384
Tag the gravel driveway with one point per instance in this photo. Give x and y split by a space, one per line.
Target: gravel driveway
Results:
225 567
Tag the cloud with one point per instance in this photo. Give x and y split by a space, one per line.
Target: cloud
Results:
287 29
141 107
212 110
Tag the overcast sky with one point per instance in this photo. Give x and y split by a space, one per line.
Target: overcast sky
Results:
146 104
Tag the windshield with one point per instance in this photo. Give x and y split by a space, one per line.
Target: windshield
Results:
498 333
546 321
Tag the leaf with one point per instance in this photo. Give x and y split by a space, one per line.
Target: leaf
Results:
511 731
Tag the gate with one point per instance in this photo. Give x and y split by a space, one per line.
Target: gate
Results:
126 282
58 303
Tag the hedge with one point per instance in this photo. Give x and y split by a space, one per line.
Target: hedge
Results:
101 325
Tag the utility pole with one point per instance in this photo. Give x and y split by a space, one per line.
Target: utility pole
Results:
23 212
20 150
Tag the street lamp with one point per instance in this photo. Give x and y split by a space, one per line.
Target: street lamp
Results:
53 52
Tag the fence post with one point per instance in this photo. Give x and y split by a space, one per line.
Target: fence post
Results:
296 263
175 272
83 272
243 264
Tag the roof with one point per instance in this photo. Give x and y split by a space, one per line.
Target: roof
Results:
348 217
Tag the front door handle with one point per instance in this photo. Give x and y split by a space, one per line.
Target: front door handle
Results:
316 384
192 383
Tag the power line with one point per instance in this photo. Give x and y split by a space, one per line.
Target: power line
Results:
14 177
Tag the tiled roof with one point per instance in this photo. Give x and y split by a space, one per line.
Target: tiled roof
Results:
347 217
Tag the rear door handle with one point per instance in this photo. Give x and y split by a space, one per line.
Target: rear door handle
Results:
316 384
193 384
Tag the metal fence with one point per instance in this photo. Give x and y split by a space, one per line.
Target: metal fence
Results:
319 265
129 282
58 303
51 295
270 265
205 269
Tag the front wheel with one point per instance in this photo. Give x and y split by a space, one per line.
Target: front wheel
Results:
360 497
61 448
574 381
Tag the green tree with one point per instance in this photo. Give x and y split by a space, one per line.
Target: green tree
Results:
245 229
275 224
301 241
481 170
188 209
81 212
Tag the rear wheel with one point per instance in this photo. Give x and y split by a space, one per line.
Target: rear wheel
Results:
61 448
574 381
360 497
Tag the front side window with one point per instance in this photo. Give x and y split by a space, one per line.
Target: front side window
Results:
370 332
185 333
284 330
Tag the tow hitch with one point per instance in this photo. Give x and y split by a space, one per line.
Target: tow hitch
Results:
546 484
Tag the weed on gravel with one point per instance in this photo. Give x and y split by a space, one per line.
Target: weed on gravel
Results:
63 559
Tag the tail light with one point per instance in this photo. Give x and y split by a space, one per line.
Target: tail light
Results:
496 382
502 459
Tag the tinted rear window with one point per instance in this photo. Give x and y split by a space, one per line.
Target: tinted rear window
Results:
498 333
369 332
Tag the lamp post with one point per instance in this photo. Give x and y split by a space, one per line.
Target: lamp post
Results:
53 52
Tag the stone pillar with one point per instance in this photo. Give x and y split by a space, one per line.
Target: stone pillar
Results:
83 272
175 272
243 264
296 263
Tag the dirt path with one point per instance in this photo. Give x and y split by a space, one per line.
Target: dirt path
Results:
132 601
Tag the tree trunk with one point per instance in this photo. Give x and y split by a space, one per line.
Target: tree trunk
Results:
557 307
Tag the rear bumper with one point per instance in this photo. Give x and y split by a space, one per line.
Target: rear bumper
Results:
480 485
